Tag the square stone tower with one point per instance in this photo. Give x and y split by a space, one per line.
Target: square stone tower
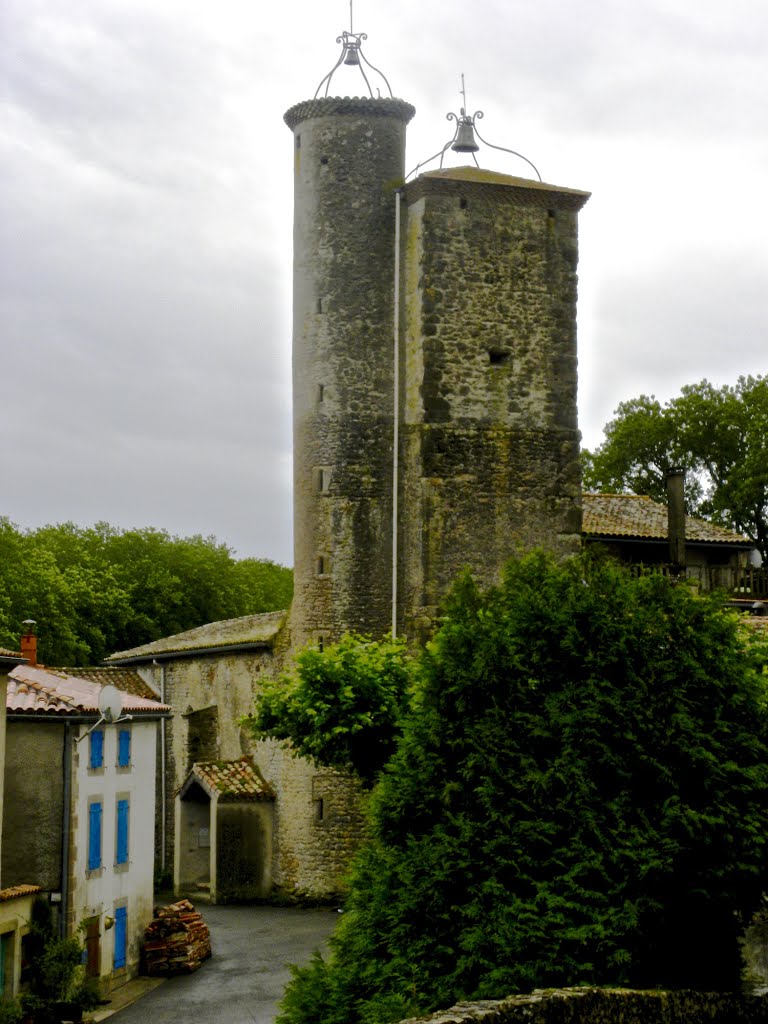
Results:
489 433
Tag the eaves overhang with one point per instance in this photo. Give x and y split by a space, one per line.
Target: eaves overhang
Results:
193 652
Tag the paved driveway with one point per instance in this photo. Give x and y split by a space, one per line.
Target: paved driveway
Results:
244 979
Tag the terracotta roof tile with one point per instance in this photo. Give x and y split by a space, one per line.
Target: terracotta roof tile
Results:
244 631
637 515
127 680
45 691
5 653
15 891
232 780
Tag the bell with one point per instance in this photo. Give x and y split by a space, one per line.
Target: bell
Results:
352 56
465 138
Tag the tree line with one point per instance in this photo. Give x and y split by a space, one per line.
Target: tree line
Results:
99 589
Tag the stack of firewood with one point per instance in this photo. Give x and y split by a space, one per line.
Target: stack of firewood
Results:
177 941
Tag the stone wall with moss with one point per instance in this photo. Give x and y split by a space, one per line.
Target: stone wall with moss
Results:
490 434
313 842
348 157
607 1006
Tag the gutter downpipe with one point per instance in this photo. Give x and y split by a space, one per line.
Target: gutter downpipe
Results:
163 837
396 410
65 829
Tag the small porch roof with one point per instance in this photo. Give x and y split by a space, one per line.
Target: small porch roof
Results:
228 781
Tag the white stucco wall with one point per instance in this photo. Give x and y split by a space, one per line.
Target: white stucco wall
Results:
98 893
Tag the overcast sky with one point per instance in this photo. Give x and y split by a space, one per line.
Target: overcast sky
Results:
146 215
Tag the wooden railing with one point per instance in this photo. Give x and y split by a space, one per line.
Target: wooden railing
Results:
743 583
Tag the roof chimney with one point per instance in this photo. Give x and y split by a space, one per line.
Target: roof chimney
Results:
29 641
676 519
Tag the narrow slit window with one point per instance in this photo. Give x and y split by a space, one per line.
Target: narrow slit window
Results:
320 393
321 643
321 565
319 809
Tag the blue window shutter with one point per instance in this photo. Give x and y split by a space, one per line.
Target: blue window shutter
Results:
124 748
97 749
121 935
94 836
122 832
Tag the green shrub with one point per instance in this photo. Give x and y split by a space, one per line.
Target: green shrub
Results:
579 796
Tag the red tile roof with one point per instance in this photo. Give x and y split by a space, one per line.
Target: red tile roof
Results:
637 515
45 691
125 679
231 781
5 653
13 892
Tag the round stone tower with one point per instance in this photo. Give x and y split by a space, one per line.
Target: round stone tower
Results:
349 159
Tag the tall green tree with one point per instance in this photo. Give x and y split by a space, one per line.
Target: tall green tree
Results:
580 795
717 434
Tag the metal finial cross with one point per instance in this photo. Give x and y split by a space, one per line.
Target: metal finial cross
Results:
351 26
462 91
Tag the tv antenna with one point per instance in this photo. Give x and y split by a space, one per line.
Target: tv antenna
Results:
110 709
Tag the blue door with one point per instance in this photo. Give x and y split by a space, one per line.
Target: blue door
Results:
121 936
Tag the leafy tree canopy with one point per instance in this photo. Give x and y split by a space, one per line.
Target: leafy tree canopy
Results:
580 795
717 434
343 706
95 590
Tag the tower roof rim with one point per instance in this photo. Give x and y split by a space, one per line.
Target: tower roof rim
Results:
328 106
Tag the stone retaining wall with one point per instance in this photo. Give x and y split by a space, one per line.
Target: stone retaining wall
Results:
607 1006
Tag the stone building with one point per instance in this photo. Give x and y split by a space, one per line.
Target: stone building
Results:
210 676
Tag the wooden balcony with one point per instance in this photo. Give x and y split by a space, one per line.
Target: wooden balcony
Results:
741 583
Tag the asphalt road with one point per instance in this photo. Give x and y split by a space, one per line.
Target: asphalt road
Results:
243 981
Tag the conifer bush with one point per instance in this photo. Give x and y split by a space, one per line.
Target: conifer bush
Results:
580 795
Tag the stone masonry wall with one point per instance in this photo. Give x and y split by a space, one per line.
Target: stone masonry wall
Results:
607 1006
490 436
310 853
34 804
349 157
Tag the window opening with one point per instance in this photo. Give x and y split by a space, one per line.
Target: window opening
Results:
497 356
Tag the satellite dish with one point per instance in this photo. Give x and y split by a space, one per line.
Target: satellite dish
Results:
110 703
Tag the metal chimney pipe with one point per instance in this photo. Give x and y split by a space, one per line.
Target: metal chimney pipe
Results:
675 482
